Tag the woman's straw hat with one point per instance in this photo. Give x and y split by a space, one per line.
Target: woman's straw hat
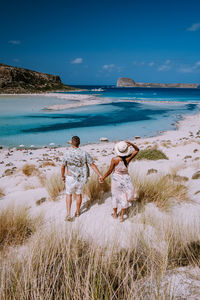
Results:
123 149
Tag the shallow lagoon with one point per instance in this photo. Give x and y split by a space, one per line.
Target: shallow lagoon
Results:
23 120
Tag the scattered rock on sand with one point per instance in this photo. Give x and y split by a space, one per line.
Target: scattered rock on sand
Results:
152 171
137 137
197 192
9 164
187 156
8 172
40 201
104 139
196 175
197 158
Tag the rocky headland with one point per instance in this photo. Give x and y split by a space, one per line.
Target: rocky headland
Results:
14 80
128 82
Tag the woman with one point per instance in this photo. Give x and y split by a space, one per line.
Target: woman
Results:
121 184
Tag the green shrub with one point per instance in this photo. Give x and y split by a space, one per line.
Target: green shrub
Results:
150 154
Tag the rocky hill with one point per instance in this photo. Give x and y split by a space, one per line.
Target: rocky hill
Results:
128 82
19 80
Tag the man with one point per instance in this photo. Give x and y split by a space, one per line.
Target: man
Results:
76 163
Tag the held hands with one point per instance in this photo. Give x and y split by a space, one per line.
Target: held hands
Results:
101 180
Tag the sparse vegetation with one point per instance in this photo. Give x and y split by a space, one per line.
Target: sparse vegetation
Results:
8 172
47 164
161 190
196 175
16 225
197 192
62 265
29 170
177 178
32 170
94 190
67 267
42 179
187 156
152 171
2 194
166 144
55 185
150 154
28 186
41 200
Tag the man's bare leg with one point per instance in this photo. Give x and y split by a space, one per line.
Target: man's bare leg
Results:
69 204
114 215
78 203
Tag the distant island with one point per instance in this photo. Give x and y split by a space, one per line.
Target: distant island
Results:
128 82
15 80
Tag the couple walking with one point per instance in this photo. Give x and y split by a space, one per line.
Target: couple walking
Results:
75 172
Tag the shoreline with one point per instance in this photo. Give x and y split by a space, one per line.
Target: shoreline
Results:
181 146
81 100
183 124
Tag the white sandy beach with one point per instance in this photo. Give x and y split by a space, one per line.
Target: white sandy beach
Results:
181 146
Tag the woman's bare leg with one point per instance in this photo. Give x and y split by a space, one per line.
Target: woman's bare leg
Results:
122 215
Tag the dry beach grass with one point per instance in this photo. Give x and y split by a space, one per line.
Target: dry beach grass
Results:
159 189
94 191
2 192
59 260
54 185
16 225
62 265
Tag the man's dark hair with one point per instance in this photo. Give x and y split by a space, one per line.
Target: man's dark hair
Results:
75 141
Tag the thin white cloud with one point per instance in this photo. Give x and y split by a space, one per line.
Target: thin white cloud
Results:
194 27
77 60
190 68
14 42
151 64
138 63
109 67
166 66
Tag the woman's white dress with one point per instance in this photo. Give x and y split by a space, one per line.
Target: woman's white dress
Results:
121 186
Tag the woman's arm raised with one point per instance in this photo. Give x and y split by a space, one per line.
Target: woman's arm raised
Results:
128 159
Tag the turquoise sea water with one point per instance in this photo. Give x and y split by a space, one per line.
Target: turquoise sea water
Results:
23 119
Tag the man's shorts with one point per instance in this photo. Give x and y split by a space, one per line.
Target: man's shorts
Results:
73 186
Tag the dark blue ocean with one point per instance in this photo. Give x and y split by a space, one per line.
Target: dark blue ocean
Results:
123 114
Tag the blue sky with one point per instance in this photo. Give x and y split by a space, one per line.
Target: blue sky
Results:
95 42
